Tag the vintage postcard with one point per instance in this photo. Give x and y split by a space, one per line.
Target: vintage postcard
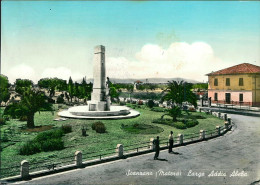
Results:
130 92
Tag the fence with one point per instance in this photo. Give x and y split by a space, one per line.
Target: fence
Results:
81 159
232 104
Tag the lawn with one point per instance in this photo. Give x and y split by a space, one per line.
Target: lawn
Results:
14 134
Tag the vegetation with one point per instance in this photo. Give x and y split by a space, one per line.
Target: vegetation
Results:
44 142
99 127
15 134
159 109
185 121
60 98
150 103
142 95
79 91
4 85
52 84
200 86
66 129
31 102
178 92
22 84
142 129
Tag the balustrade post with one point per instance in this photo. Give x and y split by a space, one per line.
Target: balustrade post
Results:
229 121
78 158
180 138
120 150
152 145
218 130
25 170
202 134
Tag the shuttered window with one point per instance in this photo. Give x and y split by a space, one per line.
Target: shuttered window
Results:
241 81
216 96
227 81
215 82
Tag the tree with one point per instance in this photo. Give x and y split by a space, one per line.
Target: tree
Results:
83 90
32 101
113 91
70 88
4 91
130 89
150 103
178 92
76 92
53 84
22 84
5 95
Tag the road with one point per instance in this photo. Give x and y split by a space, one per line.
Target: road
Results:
237 152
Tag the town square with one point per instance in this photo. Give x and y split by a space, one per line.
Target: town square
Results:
130 92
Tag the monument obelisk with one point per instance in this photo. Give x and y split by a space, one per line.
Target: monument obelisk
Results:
99 98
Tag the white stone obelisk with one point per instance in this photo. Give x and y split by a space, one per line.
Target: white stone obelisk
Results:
99 96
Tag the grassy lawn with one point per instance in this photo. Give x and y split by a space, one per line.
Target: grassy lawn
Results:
16 135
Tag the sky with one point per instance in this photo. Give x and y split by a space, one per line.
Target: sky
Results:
144 39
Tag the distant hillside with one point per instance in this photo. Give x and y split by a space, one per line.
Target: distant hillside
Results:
149 80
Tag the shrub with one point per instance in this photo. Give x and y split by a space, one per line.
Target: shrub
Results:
41 137
150 103
66 128
136 125
52 144
158 109
60 99
140 102
30 148
4 137
2 121
6 117
45 141
23 118
179 125
99 127
192 109
50 100
191 123
122 103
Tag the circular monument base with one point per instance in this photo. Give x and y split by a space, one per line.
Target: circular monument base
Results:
82 112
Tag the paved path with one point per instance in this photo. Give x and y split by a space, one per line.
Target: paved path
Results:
237 150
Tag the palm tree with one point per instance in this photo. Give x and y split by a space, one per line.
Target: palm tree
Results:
178 92
32 101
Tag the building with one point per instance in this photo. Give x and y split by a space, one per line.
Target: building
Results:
239 84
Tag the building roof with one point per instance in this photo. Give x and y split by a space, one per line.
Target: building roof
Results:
238 69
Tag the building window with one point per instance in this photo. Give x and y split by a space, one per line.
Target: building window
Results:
227 81
241 82
215 82
216 96
241 98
